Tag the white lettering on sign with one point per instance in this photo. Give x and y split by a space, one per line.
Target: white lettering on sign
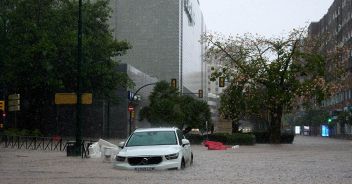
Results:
189 11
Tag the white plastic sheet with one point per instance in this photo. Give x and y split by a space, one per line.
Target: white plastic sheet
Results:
103 149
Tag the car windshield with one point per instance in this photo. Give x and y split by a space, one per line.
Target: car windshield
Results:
152 138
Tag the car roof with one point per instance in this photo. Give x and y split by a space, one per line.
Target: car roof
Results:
156 129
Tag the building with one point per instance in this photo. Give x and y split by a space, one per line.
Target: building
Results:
165 36
337 24
103 118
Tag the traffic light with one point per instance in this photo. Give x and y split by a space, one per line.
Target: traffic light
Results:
221 82
173 83
200 93
329 120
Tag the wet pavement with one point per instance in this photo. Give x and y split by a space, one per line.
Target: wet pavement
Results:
309 160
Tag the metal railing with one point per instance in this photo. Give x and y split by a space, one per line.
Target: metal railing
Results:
41 143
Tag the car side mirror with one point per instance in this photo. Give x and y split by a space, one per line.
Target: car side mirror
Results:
121 145
185 142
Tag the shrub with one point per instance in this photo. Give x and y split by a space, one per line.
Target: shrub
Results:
261 137
287 138
23 132
228 139
12 132
194 138
36 133
264 138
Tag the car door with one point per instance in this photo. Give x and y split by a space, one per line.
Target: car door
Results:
186 150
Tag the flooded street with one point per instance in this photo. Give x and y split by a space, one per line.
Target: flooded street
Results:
309 160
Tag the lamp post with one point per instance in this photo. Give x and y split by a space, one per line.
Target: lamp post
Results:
131 103
78 144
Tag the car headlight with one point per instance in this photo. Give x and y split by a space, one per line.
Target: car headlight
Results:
120 159
171 156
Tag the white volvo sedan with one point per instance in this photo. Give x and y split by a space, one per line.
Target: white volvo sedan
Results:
155 149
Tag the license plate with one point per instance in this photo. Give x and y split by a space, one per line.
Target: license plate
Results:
144 168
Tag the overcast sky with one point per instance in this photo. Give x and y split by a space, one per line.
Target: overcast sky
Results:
265 17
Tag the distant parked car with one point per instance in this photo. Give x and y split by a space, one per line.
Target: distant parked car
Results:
155 149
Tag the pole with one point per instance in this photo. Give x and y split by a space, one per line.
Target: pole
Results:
206 128
108 120
79 82
131 103
130 123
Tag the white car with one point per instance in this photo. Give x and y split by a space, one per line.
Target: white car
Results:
155 149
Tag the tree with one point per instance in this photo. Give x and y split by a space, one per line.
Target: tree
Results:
40 49
168 108
195 113
163 108
272 68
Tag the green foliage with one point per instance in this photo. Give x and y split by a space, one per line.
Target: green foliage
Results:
195 138
264 138
168 108
238 101
164 108
287 138
233 139
228 139
38 52
23 132
345 117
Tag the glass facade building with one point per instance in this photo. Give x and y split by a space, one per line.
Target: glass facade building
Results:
165 38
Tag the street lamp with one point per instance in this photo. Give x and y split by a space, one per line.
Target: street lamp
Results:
78 144
130 105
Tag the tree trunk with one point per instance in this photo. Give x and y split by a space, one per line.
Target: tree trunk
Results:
275 126
235 126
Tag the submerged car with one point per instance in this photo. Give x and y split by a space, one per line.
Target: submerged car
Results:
155 149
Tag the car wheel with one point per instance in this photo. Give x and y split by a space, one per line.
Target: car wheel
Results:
183 164
191 163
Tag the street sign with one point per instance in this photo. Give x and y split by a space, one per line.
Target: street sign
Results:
130 95
14 97
71 98
130 108
65 98
14 108
14 102
87 98
2 105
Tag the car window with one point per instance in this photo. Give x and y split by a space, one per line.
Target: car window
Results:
152 138
180 136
